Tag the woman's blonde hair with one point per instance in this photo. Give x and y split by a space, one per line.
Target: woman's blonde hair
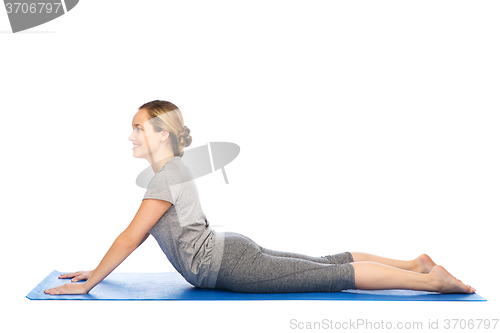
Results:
165 116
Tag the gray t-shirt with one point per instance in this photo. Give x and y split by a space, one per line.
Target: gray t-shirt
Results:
183 232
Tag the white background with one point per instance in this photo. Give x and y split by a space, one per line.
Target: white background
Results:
363 126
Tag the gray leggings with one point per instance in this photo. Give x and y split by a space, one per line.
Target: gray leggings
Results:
250 268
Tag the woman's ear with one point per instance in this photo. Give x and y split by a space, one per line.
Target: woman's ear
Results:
164 135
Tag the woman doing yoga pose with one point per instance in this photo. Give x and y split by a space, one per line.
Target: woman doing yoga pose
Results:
171 212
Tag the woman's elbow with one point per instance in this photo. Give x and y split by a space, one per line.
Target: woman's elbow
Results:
128 240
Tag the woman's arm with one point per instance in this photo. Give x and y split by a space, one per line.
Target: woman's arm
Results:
85 275
150 211
142 241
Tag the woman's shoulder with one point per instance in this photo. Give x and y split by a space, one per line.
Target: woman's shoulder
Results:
175 172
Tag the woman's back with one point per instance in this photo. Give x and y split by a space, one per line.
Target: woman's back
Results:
183 232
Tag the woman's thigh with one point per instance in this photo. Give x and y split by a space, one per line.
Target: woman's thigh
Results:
340 258
247 267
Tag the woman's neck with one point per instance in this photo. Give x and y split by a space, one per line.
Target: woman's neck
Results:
157 165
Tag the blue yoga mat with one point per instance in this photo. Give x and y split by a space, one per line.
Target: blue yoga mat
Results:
172 286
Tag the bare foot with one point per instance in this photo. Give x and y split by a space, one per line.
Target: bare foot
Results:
424 264
446 283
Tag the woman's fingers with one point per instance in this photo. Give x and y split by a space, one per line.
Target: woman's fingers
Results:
82 276
78 278
68 275
54 291
68 289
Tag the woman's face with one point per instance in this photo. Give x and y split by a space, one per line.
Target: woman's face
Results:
144 136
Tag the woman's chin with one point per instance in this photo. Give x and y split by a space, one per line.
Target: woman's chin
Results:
136 155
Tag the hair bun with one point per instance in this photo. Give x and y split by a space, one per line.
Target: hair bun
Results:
183 138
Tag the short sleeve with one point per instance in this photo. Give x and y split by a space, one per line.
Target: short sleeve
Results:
158 188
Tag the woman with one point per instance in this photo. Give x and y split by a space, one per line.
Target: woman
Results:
171 212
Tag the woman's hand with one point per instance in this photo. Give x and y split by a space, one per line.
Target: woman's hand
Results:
68 289
77 276
149 213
